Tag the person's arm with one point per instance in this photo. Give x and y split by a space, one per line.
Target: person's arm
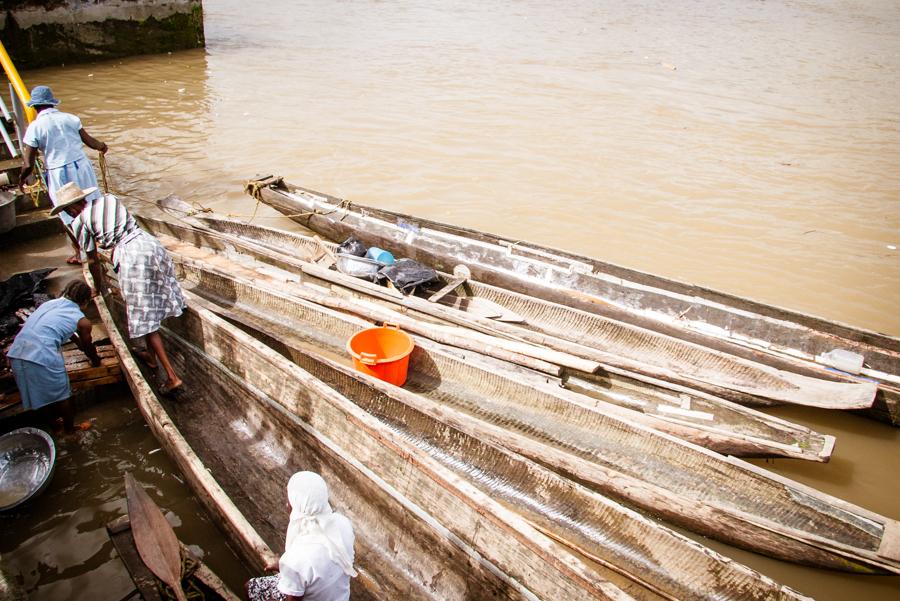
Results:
92 142
96 270
83 339
29 153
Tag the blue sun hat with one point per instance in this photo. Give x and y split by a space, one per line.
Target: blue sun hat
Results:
42 95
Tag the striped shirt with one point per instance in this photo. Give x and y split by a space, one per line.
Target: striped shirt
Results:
104 222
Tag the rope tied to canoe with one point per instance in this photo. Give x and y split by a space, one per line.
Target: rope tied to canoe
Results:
189 565
254 188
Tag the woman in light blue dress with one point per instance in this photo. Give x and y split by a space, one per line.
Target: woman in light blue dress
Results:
36 356
61 139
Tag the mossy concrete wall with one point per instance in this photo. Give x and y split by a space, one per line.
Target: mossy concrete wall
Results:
54 32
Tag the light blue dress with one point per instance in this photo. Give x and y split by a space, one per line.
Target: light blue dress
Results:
35 356
57 135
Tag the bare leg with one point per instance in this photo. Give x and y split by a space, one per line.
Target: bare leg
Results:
147 355
155 345
67 411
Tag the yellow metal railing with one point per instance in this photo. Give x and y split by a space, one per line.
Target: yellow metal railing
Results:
13 75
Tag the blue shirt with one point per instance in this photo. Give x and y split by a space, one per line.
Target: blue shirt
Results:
45 331
58 136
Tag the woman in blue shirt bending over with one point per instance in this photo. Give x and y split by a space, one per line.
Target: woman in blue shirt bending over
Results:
61 139
35 356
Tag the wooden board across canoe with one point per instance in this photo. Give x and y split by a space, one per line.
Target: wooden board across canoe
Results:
82 376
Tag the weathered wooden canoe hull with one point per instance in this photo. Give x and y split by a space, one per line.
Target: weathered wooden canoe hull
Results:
739 326
688 485
624 346
561 509
708 421
240 474
492 502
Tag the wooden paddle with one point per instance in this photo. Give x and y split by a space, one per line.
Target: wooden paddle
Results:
153 536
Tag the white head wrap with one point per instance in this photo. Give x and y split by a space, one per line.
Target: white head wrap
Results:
312 519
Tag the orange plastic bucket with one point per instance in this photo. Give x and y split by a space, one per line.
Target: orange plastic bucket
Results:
382 352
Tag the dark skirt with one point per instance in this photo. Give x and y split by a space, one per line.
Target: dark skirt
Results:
264 588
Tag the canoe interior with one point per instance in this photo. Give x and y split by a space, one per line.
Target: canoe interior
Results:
252 447
608 443
601 528
722 426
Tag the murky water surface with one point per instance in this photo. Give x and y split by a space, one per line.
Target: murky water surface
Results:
752 147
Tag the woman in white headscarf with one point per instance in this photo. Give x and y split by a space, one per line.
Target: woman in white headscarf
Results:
318 559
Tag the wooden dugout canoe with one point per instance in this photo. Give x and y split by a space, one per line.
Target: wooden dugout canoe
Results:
237 449
720 497
252 417
694 416
741 327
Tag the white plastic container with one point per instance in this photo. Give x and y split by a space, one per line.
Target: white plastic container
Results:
841 359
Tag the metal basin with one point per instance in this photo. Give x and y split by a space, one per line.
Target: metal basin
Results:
27 457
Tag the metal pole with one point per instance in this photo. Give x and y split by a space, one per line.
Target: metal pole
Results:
8 141
13 75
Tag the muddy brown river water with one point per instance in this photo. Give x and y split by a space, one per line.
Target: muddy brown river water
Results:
752 147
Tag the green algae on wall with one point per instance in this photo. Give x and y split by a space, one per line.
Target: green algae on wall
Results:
44 34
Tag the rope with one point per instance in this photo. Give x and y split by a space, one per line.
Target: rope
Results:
252 187
39 185
191 590
103 172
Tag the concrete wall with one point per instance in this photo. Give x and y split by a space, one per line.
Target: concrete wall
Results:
53 32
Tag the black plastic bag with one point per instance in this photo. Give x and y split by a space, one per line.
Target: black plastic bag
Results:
17 290
21 290
406 274
352 246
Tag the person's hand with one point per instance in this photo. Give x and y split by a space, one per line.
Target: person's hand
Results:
103 147
271 565
95 361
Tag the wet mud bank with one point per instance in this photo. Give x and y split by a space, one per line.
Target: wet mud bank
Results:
39 34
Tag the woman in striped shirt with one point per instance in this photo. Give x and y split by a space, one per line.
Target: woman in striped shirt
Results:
145 270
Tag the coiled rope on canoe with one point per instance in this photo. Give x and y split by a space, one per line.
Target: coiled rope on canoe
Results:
189 565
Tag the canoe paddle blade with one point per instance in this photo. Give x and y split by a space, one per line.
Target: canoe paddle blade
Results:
153 536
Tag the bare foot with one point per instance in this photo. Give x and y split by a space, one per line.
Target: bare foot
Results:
171 386
148 359
74 260
79 427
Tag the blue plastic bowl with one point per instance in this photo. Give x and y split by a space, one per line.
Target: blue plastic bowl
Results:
382 256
